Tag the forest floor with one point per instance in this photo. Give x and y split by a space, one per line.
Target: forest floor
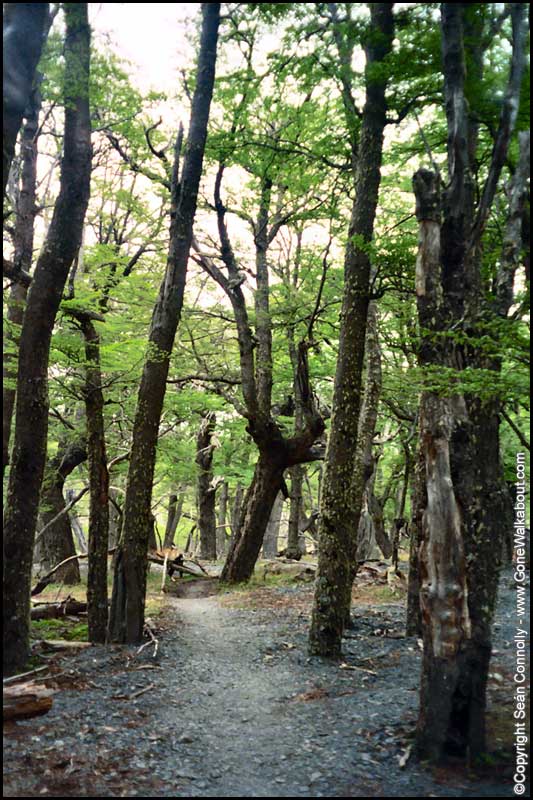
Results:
233 707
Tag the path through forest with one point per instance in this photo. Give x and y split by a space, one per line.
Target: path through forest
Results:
236 708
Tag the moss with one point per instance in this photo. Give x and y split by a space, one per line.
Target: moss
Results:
59 629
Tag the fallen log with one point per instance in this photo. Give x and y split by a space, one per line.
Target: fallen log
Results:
62 644
26 700
57 610
180 567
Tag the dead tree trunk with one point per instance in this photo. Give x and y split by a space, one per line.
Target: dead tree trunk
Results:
24 30
456 659
205 490
443 588
129 586
339 513
62 244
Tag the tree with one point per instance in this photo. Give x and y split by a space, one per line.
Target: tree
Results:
465 492
205 489
25 26
340 508
129 586
51 271
23 235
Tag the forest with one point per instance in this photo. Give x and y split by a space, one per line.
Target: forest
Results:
266 399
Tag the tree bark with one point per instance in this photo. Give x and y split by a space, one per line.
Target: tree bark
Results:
129 586
205 491
22 262
24 30
453 693
222 538
62 243
175 507
75 523
418 508
270 542
97 600
295 513
340 510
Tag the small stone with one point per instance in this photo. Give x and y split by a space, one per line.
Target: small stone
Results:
185 739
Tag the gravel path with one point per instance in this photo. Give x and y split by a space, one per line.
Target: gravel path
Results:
235 708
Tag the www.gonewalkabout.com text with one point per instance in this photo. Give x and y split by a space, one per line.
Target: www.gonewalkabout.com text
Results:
521 636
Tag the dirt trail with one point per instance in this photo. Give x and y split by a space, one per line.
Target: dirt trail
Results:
236 708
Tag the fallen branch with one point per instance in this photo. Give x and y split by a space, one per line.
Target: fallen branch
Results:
135 694
61 514
22 675
46 579
62 644
153 640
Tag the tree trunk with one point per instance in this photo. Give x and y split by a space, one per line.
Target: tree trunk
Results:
443 587
418 503
236 509
115 518
22 262
62 243
256 511
24 29
295 513
129 586
205 491
463 460
222 539
77 528
57 543
97 601
339 513
175 507
270 542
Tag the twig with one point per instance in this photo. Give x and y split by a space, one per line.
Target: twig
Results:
16 678
153 640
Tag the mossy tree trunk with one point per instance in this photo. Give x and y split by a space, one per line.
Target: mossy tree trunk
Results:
51 272
129 586
339 512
